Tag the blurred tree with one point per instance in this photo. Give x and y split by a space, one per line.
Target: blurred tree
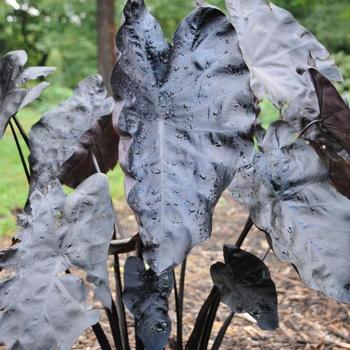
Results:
105 39
63 33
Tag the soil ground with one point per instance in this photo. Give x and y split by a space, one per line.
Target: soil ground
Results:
308 320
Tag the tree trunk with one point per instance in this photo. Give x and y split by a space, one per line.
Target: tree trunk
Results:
105 39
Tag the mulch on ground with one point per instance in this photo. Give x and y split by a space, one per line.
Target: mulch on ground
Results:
308 320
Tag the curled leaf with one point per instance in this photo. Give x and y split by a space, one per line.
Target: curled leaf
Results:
289 197
145 295
63 141
277 51
245 285
41 306
185 125
12 76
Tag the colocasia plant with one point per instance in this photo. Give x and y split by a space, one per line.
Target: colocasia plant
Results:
183 123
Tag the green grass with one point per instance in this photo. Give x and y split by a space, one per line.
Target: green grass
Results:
13 183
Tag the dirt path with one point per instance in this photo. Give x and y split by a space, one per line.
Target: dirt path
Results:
308 320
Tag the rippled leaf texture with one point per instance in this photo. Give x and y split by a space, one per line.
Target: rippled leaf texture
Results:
41 306
289 197
63 140
146 296
245 285
185 125
12 76
277 51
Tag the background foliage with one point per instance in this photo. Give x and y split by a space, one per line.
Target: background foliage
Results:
63 34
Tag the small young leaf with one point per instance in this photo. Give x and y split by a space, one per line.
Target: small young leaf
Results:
145 295
277 51
289 197
41 306
13 75
185 125
246 286
62 141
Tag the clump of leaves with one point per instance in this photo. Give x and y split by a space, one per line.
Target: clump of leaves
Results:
42 307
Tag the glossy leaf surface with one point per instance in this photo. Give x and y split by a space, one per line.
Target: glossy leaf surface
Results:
185 125
12 76
278 51
63 140
42 307
289 197
145 295
245 285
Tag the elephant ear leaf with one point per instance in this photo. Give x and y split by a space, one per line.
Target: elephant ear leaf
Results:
63 141
145 295
245 285
330 133
287 192
42 307
12 76
185 125
277 54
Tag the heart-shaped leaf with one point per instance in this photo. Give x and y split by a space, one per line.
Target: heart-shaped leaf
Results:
277 51
12 76
145 295
245 285
63 141
288 195
185 125
41 306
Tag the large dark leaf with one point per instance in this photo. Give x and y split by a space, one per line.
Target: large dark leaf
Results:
245 285
185 125
145 295
277 51
41 306
12 76
334 113
63 141
288 195
330 133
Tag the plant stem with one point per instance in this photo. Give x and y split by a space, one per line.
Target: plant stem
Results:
210 321
316 121
201 321
180 304
114 324
248 225
97 167
120 306
21 130
117 317
20 152
266 254
101 337
220 336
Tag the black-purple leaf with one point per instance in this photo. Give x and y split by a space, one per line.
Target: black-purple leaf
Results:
63 141
246 286
277 51
289 197
146 296
12 76
330 134
185 125
41 306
